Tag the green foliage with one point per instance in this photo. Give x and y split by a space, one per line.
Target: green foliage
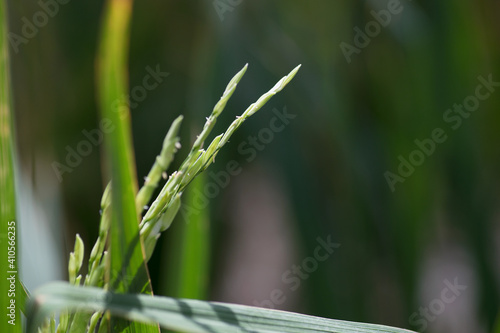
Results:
90 303
116 293
187 315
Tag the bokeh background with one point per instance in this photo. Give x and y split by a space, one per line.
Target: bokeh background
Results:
322 176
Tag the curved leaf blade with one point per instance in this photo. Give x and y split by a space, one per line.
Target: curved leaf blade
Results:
127 270
187 315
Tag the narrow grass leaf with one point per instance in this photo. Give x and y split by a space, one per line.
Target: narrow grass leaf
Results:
187 315
127 271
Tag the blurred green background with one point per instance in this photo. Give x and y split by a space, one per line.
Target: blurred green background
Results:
323 175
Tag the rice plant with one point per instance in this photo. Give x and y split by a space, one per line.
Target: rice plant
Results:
116 294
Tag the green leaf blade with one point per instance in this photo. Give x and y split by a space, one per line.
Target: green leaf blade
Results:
189 315
112 77
127 270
